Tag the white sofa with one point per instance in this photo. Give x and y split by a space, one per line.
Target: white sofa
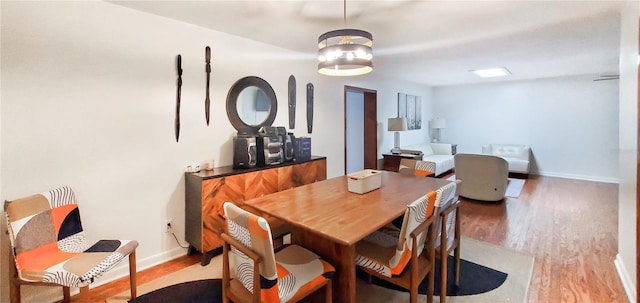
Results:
438 153
518 156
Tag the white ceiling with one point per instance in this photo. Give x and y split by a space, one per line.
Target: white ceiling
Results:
430 42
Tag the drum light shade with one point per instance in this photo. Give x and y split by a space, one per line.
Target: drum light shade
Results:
345 52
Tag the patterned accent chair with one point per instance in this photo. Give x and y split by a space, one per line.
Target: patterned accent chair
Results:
418 168
262 275
386 252
50 248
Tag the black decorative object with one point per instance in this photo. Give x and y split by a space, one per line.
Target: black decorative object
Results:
292 102
177 122
309 107
259 86
207 102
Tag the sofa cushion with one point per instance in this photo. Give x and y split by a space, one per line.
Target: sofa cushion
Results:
518 156
427 150
509 151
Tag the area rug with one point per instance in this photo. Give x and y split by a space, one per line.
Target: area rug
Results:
517 266
514 186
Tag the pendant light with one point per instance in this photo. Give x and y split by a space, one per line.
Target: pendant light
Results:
345 52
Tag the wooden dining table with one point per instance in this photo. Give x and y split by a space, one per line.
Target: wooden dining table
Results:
328 219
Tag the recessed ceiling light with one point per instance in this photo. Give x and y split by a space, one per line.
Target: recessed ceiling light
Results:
492 72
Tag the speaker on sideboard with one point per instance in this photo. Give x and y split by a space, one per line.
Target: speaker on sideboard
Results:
244 151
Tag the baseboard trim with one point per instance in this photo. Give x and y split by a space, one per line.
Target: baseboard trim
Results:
626 280
578 177
122 270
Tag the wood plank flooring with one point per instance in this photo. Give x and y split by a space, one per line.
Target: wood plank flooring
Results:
569 226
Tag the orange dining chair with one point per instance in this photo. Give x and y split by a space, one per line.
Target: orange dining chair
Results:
448 232
262 275
388 251
49 246
417 168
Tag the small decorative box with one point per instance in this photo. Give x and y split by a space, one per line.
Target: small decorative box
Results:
364 181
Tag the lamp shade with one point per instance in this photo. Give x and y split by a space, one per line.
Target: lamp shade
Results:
438 123
397 124
345 52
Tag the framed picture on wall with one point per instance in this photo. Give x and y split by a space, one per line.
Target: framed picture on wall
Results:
410 107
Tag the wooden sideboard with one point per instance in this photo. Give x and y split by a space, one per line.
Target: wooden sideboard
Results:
206 192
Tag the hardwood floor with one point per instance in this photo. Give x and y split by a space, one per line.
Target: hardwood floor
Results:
569 226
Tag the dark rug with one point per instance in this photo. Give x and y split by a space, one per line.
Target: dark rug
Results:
474 279
200 291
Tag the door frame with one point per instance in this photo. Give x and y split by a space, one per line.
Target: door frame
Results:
370 126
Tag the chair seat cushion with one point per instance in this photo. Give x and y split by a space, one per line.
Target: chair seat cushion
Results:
75 263
49 244
300 269
376 252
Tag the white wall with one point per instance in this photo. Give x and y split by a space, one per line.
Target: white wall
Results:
571 123
88 100
627 220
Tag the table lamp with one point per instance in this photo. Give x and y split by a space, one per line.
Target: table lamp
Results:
437 124
396 125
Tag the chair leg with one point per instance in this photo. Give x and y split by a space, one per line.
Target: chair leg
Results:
225 273
14 285
443 274
66 294
327 292
430 286
413 294
456 252
14 292
444 254
456 264
133 275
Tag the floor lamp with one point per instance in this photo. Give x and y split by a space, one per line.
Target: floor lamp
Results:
396 125
437 124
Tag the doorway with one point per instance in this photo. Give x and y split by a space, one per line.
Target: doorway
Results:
360 129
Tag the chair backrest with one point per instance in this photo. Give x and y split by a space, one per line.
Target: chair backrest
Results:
253 232
417 212
447 196
484 177
417 167
42 222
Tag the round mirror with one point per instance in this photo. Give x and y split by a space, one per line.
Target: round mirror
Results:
251 104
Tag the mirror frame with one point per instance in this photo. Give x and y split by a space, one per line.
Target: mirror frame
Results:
232 101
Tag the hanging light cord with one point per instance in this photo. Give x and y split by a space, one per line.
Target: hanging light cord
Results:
345 13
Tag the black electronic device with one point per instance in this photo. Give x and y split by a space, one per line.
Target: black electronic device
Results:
268 131
244 151
288 147
269 149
